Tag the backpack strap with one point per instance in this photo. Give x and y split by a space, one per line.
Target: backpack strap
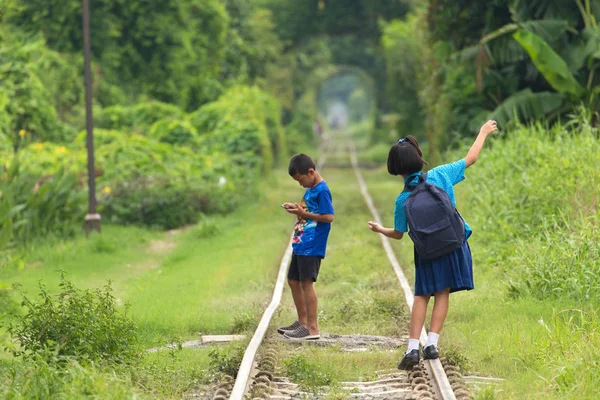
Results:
408 187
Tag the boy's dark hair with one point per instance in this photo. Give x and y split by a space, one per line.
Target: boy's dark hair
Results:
405 157
300 164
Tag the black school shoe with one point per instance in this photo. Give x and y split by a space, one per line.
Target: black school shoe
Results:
289 328
430 353
410 359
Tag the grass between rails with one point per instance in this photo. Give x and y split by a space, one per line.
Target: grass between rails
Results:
358 294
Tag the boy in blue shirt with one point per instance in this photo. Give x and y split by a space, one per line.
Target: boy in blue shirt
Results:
315 215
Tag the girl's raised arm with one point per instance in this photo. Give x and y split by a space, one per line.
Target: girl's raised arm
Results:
475 149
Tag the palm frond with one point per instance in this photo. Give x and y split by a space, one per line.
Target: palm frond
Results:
527 105
546 9
548 29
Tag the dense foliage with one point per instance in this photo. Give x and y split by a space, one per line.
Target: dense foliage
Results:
505 59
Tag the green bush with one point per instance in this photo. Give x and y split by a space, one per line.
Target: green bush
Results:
32 207
101 137
138 118
170 51
243 121
83 324
151 202
42 159
173 132
226 360
47 376
167 203
26 102
7 305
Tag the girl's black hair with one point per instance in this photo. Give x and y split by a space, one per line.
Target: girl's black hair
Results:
300 164
405 157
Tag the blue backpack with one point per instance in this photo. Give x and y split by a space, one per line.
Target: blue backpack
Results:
435 226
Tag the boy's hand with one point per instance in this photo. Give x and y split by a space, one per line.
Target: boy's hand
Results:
374 226
488 127
293 208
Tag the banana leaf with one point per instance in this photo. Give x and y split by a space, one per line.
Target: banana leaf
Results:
550 64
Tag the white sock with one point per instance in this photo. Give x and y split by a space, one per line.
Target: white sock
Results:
432 339
413 344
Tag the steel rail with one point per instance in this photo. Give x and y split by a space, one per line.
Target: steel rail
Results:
243 377
442 385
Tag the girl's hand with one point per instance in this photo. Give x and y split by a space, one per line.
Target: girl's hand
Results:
374 226
488 127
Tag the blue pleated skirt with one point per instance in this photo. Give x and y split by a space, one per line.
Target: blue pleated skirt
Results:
454 271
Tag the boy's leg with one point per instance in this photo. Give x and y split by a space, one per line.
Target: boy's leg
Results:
294 283
311 302
440 310
298 297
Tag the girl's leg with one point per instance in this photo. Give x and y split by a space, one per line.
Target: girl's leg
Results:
440 310
417 316
417 319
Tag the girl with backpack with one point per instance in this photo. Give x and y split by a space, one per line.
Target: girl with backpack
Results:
442 255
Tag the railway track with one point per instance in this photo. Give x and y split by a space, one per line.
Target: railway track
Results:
257 378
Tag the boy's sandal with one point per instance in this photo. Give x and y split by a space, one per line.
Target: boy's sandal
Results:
289 328
300 335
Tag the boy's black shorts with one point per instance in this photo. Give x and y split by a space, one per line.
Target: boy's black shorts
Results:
304 267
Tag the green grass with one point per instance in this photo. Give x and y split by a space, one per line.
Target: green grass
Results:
89 262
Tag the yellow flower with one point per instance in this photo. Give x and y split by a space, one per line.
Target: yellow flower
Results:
22 132
61 149
106 190
39 146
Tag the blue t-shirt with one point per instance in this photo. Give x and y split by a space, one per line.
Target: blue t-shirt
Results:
445 176
310 237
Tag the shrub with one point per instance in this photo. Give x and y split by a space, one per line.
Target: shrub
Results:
173 132
47 376
227 360
25 102
101 137
151 202
83 324
243 322
165 202
243 121
7 305
31 207
47 158
138 118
